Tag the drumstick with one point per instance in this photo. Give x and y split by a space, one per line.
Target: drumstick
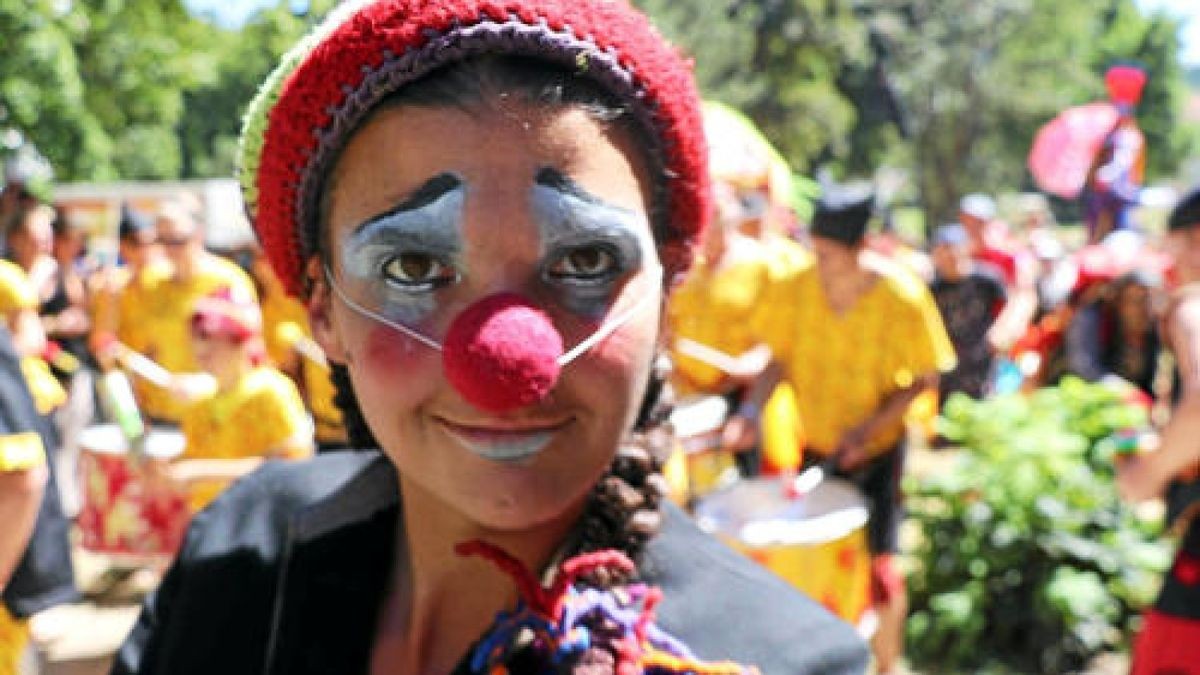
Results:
143 366
810 478
713 357
304 345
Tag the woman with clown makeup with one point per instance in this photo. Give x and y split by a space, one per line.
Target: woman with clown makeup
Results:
484 204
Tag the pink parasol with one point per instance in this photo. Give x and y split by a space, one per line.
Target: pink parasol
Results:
1066 146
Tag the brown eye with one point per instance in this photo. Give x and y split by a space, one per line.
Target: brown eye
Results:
586 263
419 271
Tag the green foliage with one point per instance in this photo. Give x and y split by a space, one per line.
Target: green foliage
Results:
776 60
1028 560
209 130
972 81
142 89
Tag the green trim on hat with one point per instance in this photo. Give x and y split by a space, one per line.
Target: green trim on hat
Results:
258 113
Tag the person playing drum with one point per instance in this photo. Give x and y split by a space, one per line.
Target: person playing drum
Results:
859 344
35 562
483 203
256 412
165 316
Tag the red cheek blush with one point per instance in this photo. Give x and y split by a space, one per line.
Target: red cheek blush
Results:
390 351
501 353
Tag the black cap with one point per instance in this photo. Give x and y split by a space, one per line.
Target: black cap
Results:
1186 213
133 222
843 212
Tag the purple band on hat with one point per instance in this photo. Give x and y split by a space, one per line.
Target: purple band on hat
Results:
513 37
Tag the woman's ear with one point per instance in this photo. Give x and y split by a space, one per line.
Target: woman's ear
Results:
320 311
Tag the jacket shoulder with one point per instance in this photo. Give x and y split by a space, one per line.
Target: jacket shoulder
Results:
257 510
724 606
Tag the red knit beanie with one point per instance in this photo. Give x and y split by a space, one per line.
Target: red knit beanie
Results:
365 51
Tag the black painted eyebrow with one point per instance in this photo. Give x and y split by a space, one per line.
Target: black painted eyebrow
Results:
429 192
553 178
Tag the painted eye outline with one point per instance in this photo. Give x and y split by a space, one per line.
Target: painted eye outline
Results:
618 266
450 274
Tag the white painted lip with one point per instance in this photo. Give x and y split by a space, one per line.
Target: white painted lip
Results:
502 445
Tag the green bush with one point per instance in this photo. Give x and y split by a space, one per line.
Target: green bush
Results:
1027 560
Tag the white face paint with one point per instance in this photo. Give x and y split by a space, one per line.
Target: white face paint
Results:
588 245
396 261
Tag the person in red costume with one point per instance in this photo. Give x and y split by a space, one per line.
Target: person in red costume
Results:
484 204
1118 170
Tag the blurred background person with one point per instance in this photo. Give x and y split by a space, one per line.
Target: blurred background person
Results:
35 562
859 343
1115 179
990 244
1170 638
165 317
1115 333
255 413
66 321
292 350
29 236
969 297
120 293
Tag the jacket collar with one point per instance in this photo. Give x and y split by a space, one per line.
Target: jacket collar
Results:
334 573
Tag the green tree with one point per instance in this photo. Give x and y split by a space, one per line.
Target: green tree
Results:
137 58
98 86
42 93
978 79
210 126
778 61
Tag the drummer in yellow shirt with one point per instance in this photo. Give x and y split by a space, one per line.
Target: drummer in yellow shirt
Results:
256 412
164 318
119 295
858 345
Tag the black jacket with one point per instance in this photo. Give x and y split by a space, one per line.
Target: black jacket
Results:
283 575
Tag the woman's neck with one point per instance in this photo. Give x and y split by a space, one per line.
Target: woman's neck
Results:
438 603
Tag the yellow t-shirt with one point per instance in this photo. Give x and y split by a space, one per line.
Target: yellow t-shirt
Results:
327 417
786 256
261 415
279 311
17 294
132 328
713 307
284 318
843 367
162 316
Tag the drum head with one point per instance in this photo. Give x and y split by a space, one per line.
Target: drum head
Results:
759 513
107 439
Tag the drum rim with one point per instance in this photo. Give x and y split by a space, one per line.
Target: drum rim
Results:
852 518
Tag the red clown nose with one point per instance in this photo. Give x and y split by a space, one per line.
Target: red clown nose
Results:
502 353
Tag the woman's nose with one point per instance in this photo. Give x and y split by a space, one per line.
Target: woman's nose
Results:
501 353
